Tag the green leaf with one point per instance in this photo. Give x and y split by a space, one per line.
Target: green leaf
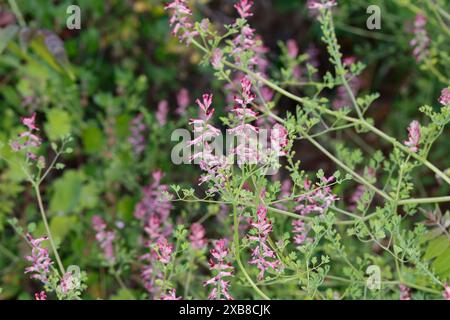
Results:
436 247
442 264
6 35
58 124
67 192
61 225
89 196
93 139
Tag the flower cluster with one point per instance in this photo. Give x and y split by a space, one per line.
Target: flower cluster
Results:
413 136
246 42
105 238
444 99
219 263
319 4
39 258
180 20
137 140
161 113
262 255
213 165
40 296
316 200
171 295
421 41
300 230
279 139
153 210
405 292
243 7
446 293
197 236
28 139
182 101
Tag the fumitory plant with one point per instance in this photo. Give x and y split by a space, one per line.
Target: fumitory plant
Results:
382 210
313 161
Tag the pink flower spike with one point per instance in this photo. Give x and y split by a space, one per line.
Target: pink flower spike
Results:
197 236
446 293
444 99
39 258
262 255
405 292
216 58
40 296
223 269
413 136
183 101
318 4
292 48
163 110
171 295
243 8
30 122
104 238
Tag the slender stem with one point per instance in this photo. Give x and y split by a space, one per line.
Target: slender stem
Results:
346 168
47 228
17 13
424 200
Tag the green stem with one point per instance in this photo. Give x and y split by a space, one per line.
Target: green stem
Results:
47 228
17 13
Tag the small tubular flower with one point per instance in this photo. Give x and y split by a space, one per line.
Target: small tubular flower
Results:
197 236
220 265
262 255
39 258
105 238
413 136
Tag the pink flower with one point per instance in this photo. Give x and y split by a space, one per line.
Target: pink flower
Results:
262 255
104 238
197 236
405 293
180 20
220 265
40 296
243 8
413 136
292 48
421 41
183 101
163 110
446 293
444 99
279 139
155 261
137 140
153 209
317 199
28 139
216 58
318 4
30 122
164 250
67 282
171 295
349 60
39 258
300 231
